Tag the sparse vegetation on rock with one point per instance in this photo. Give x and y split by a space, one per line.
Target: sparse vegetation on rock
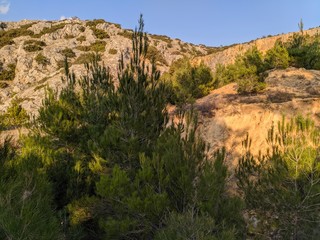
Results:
34 45
42 60
68 52
8 73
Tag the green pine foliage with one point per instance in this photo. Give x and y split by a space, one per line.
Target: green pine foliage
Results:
103 162
304 51
25 198
8 73
282 187
15 116
247 71
277 57
188 82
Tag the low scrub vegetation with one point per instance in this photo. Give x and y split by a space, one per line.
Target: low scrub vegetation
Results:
8 73
81 39
7 36
126 33
154 54
188 82
15 116
85 58
113 51
250 69
42 60
68 52
99 33
52 29
97 46
33 45
95 22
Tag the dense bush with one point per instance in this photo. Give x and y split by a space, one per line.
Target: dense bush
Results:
282 187
25 198
304 51
188 82
277 57
247 71
15 116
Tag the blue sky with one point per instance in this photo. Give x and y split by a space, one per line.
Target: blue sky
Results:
210 22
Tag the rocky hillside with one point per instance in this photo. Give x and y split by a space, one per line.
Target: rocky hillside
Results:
33 52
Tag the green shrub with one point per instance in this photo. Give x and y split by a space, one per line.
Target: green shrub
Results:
277 57
3 84
15 116
6 37
32 48
60 64
3 26
126 33
99 33
81 39
95 22
33 45
281 187
304 51
161 38
42 60
5 40
87 58
188 82
35 42
8 74
69 36
82 28
113 51
250 84
154 54
97 46
248 71
192 225
68 52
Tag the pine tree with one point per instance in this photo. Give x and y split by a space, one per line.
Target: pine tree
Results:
25 198
283 187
